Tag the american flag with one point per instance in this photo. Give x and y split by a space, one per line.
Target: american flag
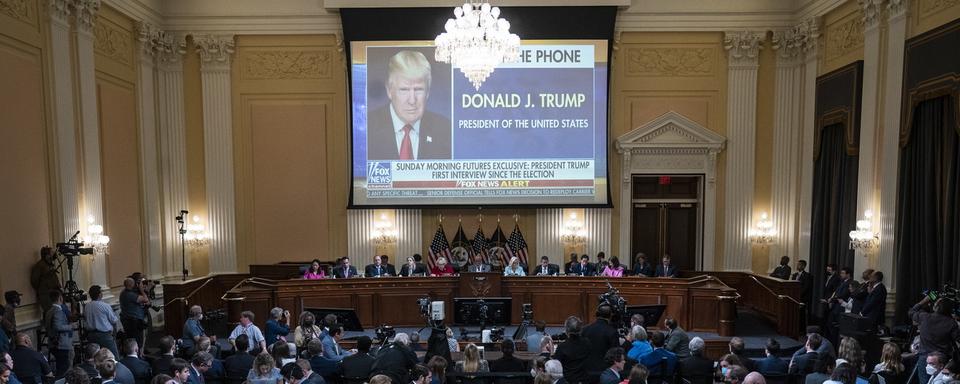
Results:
480 244
439 247
498 239
517 246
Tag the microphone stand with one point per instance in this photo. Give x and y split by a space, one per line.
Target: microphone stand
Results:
183 243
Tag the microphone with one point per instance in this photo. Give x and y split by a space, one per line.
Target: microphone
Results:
184 211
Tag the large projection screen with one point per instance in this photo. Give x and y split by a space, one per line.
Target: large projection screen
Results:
535 133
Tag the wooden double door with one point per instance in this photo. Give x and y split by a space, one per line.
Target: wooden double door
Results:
666 218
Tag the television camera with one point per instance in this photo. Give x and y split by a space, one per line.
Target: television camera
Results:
65 253
618 306
948 292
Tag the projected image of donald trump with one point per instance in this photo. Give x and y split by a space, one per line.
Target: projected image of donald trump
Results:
404 129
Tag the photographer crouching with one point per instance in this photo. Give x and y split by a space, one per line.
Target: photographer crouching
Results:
938 331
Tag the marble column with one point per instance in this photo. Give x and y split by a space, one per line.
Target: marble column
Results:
549 229
811 58
86 11
866 170
173 147
409 224
65 133
742 49
889 145
216 54
147 36
788 110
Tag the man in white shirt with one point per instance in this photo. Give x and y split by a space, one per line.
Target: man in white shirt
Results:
247 327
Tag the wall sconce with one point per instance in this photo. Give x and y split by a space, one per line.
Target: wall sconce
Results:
383 232
763 234
95 237
864 238
196 237
573 234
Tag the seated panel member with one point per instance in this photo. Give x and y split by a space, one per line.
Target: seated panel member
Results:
613 268
345 270
547 269
478 265
642 267
377 269
584 268
315 271
442 268
412 268
390 268
665 269
568 267
514 268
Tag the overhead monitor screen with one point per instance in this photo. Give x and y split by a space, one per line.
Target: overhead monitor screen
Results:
534 133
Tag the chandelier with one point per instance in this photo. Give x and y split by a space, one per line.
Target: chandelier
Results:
383 232
573 234
477 41
763 234
95 237
863 238
196 236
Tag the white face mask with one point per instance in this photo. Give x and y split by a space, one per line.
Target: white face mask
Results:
931 370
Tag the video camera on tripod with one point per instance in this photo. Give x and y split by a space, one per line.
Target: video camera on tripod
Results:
618 306
948 292
69 250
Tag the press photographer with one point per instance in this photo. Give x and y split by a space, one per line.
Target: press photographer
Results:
133 309
937 329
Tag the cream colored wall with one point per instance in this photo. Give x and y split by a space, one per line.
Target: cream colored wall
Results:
291 148
116 77
196 175
925 15
654 73
28 206
763 167
842 37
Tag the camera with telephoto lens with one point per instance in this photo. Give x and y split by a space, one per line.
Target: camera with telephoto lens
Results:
618 306
496 334
385 332
73 248
527 309
947 292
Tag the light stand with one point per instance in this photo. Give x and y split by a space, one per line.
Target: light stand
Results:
183 243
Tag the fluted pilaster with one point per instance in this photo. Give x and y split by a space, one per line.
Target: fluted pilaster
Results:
597 222
360 228
409 233
147 35
742 49
812 51
173 144
549 229
216 53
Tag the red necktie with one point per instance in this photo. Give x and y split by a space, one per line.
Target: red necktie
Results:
406 148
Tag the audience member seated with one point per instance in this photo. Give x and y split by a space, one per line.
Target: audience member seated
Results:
315 271
804 363
826 347
472 363
278 326
842 374
107 370
89 352
438 369
754 378
665 268
508 363
851 353
821 372
660 362
738 347
309 376
938 368
199 365
677 339
291 373
381 379
442 268
420 375
238 365
377 269
8 363
215 373
282 354
638 375
639 343
615 361
123 374
264 370
772 364
168 347
696 369
142 373
28 364
735 374
726 362
192 329
396 359
613 269
345 270
180 371
75 375
554 368
331 344
360 364
254 336
514 268
890 366
574 353
321 365
584 268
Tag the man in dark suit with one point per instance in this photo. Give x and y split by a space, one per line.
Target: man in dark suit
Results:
602 336
772 364
345 270
321 365
412 268
804 363
239 364
782 271
615 360
575 354
404 129
199 365
584 268
28 364
840 295
508 363
391 269
739 348
547 269
358 365
831 282
696 369
641 267
806 281
654 360
396 360
142 373
876 303
665 268
162 364
309 376
376 269
89 352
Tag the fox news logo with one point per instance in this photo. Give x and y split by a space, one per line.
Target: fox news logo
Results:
378 175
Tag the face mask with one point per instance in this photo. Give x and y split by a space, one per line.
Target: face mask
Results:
724 370
308 323
931 370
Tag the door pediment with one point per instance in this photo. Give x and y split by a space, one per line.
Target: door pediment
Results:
671 131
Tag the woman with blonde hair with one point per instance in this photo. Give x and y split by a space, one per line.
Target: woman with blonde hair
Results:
442 268
851 352
264 370
890 366
471 361
514 268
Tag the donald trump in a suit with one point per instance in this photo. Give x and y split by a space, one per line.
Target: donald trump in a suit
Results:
404 129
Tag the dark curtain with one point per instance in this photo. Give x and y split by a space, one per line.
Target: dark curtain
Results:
928 216
834 208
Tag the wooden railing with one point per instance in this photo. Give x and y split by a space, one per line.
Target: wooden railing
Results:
775 299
